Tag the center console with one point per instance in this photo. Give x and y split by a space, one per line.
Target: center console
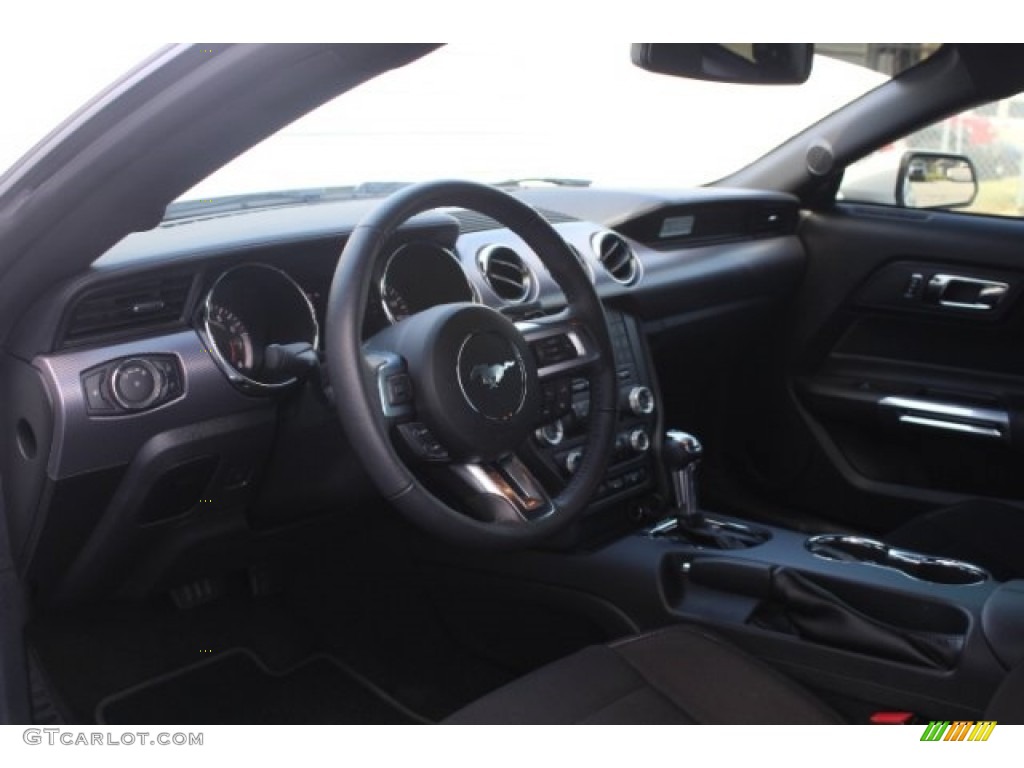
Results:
868 626
849 616
630 480
862 623
909 637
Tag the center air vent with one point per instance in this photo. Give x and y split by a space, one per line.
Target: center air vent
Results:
617 257
128 307
506 273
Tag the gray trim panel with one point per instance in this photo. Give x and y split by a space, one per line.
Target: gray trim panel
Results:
84 443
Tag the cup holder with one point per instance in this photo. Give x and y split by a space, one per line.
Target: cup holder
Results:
857 549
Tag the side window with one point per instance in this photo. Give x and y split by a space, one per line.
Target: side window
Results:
991 136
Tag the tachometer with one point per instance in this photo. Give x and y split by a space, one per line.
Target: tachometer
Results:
259 325
395 305
232 338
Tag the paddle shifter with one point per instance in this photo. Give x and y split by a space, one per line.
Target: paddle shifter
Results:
682 453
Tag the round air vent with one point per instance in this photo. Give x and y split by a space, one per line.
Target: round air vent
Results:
617 257
506 273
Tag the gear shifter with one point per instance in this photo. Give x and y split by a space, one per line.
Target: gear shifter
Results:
682 453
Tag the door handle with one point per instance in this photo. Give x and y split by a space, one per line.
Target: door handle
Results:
957 292
951 426
950 417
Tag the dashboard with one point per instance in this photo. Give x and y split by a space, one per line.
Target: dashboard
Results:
174 395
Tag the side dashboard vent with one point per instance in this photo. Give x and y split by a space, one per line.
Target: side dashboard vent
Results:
617 257
506 273
128 307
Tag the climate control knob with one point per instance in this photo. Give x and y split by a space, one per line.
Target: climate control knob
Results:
573 459
551 434
639 441
136 384
640 401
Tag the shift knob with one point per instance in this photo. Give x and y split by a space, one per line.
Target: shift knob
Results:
680 450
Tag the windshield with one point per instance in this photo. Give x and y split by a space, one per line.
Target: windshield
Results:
497 112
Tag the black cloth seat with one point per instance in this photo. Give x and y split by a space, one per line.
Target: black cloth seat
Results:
677 675
981 532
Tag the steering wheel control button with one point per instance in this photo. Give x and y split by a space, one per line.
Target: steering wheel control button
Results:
399 388
557 399
422 442
394 385
553 350
492 376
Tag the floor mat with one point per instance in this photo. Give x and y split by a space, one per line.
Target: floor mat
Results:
235 687
390 632
361 600
90 655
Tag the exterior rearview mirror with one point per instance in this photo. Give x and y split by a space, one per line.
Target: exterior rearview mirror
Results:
936 180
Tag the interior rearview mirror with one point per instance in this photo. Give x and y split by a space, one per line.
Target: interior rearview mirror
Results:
750 63
936 180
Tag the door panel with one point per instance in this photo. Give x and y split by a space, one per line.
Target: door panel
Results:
902 387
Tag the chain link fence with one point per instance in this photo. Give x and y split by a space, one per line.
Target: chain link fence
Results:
992 136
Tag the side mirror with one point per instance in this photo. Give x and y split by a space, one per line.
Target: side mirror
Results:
936 180
750 63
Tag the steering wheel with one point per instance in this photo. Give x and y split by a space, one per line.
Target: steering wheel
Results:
459 388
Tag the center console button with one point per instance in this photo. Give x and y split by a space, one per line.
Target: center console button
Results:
640 401
573 459
551 434
639 441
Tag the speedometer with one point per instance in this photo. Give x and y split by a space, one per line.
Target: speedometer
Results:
232 338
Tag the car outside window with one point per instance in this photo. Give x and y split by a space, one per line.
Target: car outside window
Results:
991 136
581 114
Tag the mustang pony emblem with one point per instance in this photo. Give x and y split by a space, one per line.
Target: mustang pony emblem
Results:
490 375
